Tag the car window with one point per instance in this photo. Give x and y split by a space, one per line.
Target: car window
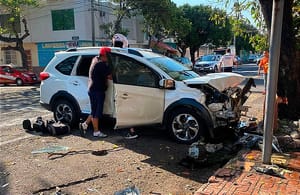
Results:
66 66
131 72
173 68
84 65
6 69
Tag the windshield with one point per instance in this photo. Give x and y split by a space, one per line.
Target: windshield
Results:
173 68
209 58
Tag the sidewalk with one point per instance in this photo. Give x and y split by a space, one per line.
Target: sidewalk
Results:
239 176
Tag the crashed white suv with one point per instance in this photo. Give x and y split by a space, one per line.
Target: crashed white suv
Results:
147 89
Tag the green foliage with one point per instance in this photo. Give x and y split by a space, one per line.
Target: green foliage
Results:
162 17
259 42
204 30
13 9
296 18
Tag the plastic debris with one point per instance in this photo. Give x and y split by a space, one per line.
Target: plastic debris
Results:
270 170
211 148
50 149
128 191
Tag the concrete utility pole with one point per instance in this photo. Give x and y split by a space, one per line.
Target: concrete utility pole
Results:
275 41
93 22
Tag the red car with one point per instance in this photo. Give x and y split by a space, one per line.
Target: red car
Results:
10 75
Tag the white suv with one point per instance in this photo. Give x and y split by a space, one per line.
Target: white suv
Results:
147 89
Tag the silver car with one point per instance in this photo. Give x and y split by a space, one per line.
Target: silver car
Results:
207 63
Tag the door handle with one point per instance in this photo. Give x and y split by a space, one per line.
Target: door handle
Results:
124 96
75 83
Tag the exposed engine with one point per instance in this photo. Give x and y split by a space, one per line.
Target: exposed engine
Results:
227 105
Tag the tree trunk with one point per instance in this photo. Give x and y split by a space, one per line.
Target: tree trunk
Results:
289 70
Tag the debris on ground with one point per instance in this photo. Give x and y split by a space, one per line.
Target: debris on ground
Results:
58 187
132 190
250 136
50 149
272 170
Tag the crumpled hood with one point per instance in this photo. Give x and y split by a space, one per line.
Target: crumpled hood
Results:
220 81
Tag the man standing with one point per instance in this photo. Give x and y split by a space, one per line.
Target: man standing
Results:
264 65
227 61
98 74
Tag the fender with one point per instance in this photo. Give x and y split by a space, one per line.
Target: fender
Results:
191 103
65 95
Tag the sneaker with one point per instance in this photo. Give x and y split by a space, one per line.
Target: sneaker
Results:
99 134
131 135
82 129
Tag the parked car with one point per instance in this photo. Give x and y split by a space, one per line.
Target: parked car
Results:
207 63
252 58
11 75
257 60
238 60
185 61
147 89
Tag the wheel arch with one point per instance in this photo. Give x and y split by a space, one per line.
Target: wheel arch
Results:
194 105
65 96
19 79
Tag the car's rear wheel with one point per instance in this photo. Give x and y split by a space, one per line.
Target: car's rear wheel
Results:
65 112
19 82
185 126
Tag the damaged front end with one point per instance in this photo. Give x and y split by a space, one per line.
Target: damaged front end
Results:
224 98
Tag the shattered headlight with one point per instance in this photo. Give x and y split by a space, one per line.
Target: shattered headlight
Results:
225 114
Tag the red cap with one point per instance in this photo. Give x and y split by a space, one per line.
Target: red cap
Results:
104 50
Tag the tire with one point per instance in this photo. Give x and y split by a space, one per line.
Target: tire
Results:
19 82
65 112
216 69
184 126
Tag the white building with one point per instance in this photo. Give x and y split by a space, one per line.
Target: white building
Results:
60 24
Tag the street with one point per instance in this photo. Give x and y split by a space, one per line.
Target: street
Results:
151 162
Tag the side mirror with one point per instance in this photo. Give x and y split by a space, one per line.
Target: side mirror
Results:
167 83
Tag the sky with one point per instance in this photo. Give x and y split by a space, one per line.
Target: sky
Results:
212 3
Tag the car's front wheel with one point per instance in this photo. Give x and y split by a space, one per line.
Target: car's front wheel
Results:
65 112
19 82
185 126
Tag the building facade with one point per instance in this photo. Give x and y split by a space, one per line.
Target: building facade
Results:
61 24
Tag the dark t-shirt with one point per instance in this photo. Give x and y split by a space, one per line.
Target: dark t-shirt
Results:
98 77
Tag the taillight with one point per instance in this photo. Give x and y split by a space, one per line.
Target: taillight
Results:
44 75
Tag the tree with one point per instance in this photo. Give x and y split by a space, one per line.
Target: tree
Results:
10 31
161 17
289 69
204 29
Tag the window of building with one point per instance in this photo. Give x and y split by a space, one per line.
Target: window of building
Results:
10 57
63 19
